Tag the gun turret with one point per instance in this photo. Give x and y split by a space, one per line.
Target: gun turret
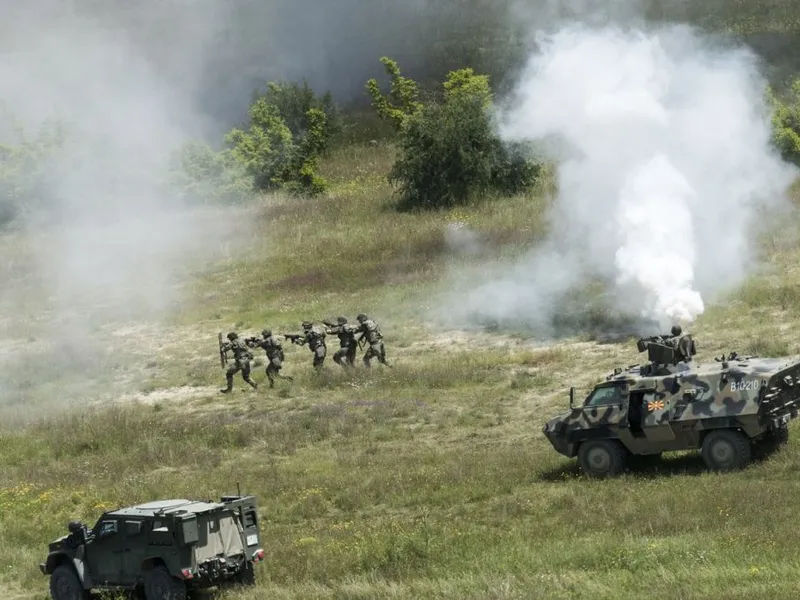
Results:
643 343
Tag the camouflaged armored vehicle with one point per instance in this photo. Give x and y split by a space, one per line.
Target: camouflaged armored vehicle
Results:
161 550
730 409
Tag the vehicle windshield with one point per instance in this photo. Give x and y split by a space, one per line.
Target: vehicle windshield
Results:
611 394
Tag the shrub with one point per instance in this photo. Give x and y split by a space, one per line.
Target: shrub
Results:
27 171
272 153
786 123
402 101
294 103
203 174
449 152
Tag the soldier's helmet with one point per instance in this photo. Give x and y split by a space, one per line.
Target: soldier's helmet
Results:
266 332
341 320
307 324
676 330
232 335
361 317
74 526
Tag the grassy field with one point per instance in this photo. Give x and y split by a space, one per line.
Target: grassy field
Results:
429 480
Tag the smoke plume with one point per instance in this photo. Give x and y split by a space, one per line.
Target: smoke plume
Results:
665 178
106 241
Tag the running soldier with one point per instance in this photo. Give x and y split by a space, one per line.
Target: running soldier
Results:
315 338
242 357
346 355
369 329
275 357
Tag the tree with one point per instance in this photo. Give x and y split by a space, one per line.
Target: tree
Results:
786 123
202 173
449 152
288 131
294 101
27 169
401 103
264 149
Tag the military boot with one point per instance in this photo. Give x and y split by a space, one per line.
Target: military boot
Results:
230 386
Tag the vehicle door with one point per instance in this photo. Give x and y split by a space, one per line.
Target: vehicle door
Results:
104 553
607 406
656 424
134 550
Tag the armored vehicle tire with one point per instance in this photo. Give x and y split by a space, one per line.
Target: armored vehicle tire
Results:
160 585
726 450
65 585
602 458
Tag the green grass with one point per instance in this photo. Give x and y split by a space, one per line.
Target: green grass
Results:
427 480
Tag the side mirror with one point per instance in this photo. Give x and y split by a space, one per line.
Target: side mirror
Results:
571 397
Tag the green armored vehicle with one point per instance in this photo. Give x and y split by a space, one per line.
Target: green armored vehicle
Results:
161 550
730 409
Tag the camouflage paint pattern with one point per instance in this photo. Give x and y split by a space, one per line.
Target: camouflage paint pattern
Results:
679 402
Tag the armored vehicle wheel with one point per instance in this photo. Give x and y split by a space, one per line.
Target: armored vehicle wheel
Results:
160 585
65 585
726 450
602 458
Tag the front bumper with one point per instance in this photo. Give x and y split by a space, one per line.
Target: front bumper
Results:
556 435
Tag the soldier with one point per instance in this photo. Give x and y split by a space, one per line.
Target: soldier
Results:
682 343
242 357
347 342
275 357
315 338
78 534
369 329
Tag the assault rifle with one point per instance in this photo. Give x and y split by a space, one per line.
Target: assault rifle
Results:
223 358
252 341
292 336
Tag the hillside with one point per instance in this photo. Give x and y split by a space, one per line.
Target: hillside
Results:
429 479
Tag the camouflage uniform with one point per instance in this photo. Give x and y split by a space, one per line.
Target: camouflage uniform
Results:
347 342
682 344
315 338
78 535
369 329
242 358
275 357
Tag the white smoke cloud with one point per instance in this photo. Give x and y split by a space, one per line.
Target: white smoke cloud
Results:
110 241
667 177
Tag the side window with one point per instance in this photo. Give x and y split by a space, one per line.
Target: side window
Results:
160 533
250 518
107 529
612 394
213 526
133 528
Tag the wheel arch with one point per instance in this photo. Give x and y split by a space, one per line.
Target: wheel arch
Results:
55 560
151 562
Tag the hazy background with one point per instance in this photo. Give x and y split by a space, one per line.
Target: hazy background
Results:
130 81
